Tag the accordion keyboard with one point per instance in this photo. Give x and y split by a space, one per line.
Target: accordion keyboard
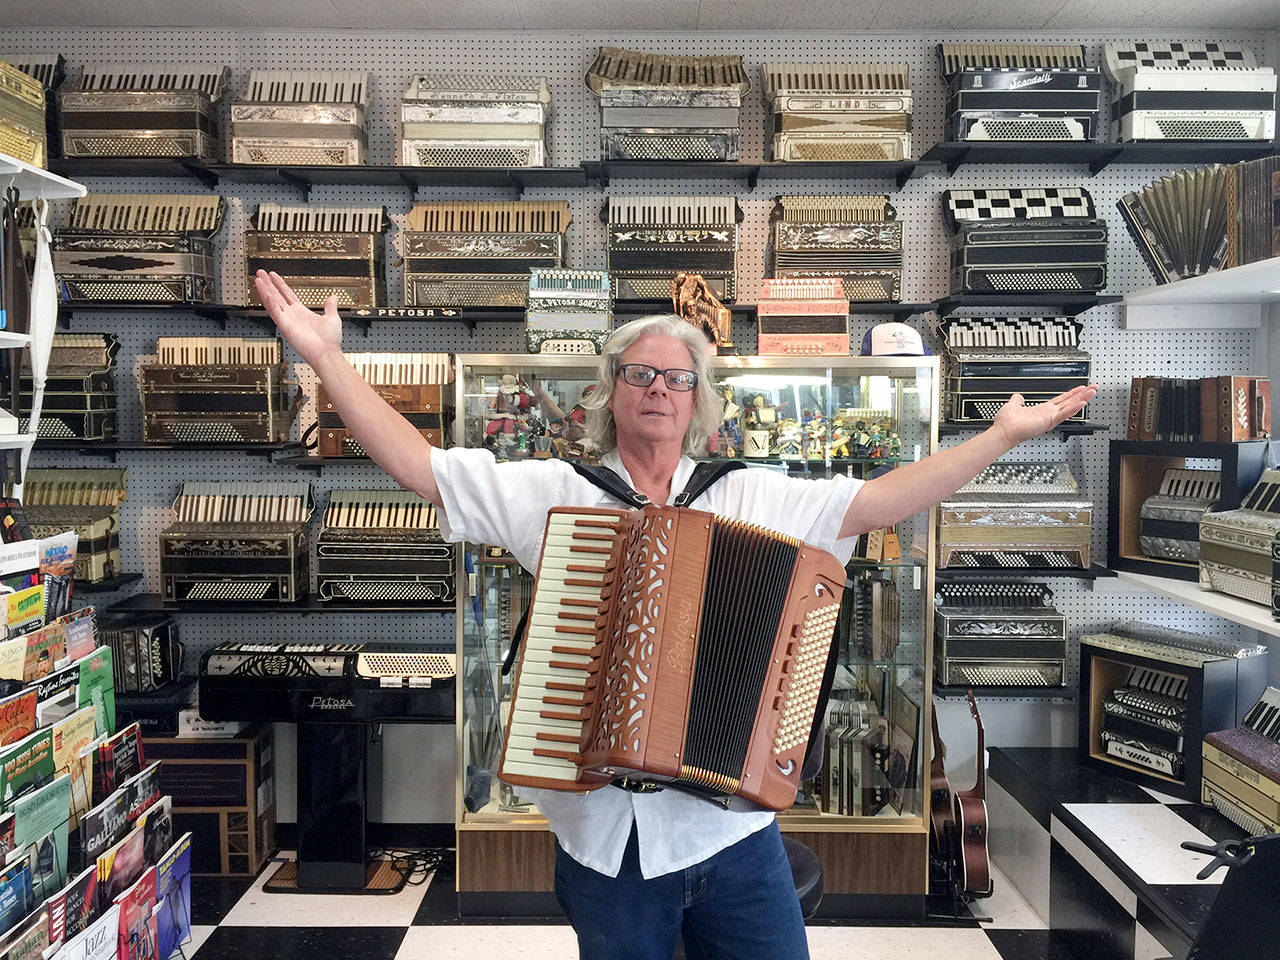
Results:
1264 717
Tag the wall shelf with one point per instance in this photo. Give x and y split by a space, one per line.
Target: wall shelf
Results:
112 448
1070 428
1255 616
1228 299
109 585
1064 304
32 181
153 602
1056 694
951 155
1022 573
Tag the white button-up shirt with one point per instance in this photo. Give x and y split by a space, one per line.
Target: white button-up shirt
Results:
506 504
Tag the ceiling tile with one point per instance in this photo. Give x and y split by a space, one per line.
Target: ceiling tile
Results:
651 14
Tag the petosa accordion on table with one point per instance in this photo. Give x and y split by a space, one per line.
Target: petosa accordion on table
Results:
674 646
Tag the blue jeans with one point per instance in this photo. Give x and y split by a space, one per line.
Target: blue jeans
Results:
740 904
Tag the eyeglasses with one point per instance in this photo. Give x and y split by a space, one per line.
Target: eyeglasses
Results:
641 375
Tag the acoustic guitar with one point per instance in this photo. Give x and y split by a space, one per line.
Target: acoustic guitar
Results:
941 802
971 823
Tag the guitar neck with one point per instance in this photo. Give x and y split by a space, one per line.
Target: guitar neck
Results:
979 790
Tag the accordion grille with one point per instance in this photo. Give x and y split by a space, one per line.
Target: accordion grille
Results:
846 150
1037 281
1039 128
231 590
116 146
667 148
375 591
154 292
439 665
1189 128
963 673
293 154
431 156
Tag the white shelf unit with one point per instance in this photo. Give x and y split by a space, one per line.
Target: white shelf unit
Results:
13 341
1255 616
1238 298
16 441
34 182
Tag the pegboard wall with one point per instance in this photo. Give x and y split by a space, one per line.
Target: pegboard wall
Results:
154 477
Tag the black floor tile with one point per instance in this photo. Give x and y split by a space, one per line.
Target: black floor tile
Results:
1208 821
213 897
302 943
1084 912
1030 945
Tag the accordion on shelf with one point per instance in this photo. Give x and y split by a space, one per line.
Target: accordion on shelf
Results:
460 120
383 546
418 386
1025 240
1020 91
569 311
853 782
666 107
217 390
23 130
237 542
1241 768
146 653
1255 221
143 110
80 388
857 238
480 254
870 618
150 248
839 111
1189 91
1005 634
1238 549
320 249
1016 514
988 359
313 117
50 69
651 239
802 316
1182 223
625 604
1169 520
86 501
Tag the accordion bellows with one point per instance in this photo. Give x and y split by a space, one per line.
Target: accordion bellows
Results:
316 117
1182 223
475 120
651 239
838 111
855 237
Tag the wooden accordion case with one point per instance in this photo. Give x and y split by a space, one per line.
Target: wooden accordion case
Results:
675 646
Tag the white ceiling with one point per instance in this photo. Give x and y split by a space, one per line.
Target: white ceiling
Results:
664 15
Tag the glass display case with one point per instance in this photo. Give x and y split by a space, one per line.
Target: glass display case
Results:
865 801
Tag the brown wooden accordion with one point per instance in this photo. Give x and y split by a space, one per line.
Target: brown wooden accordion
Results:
674 646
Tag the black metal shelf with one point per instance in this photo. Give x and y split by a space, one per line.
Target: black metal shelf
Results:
970 574
219 313
1005 692
77 168
951 155
899 311
753 174
899 171
1067 304
108 585
1069 428
311 461
112 448
153 602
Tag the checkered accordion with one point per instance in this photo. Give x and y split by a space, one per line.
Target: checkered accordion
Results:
1025 240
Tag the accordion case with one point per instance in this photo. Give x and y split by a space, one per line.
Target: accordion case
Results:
1238 547
217 390
570 311
1016 514
651 239
237 542
480 254
1189 91
1169 520
80 388
802 317
839 111
146 653
312 117
320 250
1241 768
1020 91
22 116
856 238
988 359
380 546
1004 634
86 501
155 110
660 107
1030 240
147 248
418 386
460 120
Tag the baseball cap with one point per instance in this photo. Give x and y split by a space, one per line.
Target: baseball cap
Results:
893 340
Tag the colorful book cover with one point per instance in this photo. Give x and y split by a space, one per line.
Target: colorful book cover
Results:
58 685
99 941
17 716
40 825
82 633
29 940
45 647
17 899
96 687
116 760
70 736
25 611
25 765
104 826
75 906
137 929
173 897
141 791
57 561
142 847
6 835
13 657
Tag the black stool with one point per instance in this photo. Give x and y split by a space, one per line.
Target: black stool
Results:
806 871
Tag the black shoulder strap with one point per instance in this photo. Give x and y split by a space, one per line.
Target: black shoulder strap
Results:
611 483
704 475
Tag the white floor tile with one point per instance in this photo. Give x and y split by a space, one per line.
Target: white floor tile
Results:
542 942
1146 836
198 936
1006 907
1162 797
260 909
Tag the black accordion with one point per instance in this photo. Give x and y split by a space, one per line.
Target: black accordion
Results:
651 239
1004 633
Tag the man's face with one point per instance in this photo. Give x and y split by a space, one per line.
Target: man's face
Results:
655 413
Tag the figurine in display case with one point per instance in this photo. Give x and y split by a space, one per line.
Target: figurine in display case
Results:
838 441
790 439
815 433
894 449
727 441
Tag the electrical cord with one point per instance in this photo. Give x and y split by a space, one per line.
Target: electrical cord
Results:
415 866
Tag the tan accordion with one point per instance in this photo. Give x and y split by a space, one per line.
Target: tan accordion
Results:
673 646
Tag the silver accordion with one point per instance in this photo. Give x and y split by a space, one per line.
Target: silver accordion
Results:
838 111
1238 550
463 120
306 117
1005 633
1169 520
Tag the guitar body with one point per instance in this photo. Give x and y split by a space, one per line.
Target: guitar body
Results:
971 826
941 800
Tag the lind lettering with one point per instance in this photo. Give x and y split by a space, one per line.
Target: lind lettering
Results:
331 703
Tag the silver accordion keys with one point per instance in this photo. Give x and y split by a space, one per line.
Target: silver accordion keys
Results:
311 117
479 254
86 501
1025 240
149 248
23 130
383 546
320 249
1169 520
569 311
838 111
856 237
666 107
150 110
651 239
1020 91
988 359
1016 514
1191 90
463 120
1238 552
1004 633
80 388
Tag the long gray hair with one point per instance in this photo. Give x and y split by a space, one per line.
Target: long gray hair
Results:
708 404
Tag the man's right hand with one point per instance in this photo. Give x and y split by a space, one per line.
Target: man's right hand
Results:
312 334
